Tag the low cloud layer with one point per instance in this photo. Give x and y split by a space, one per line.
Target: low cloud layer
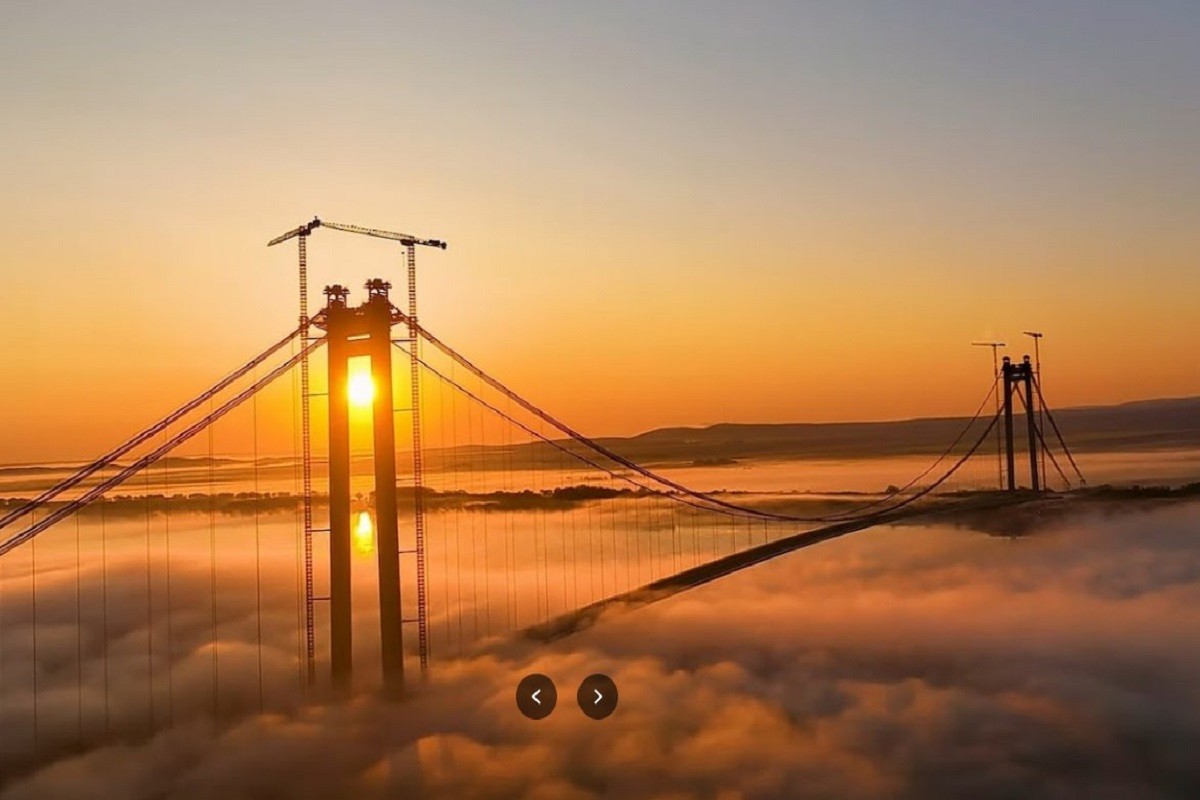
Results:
903 662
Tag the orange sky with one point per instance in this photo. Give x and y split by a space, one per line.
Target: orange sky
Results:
645 228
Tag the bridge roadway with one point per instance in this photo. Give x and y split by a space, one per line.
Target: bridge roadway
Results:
585 616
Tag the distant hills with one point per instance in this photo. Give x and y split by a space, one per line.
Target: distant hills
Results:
1139 426
1136 426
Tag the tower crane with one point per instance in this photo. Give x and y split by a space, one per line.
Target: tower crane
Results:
996 392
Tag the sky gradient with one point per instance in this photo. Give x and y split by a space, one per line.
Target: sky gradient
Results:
658 214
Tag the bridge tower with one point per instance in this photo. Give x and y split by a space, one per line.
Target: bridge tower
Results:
352 332
1018 379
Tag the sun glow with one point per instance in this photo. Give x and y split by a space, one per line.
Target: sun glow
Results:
361 390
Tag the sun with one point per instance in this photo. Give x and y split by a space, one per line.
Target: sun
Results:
361 390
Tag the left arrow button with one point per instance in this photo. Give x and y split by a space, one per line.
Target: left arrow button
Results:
536 696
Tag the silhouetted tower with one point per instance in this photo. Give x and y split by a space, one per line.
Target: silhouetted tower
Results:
1018 379
353 332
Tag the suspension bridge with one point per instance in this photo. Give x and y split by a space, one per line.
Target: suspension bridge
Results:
188 577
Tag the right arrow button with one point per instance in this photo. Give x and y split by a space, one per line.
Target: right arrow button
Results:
597 696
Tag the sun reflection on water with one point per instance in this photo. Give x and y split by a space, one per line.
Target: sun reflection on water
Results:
364 534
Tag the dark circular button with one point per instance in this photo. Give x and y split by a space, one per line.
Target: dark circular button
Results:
536 696
597 696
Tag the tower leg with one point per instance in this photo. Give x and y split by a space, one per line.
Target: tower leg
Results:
999 433
1010 458
1031 424
340 633
386 523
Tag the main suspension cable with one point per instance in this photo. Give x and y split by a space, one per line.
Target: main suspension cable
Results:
696 498
108 458
945 476
556 444
132 469
1047 451
945 454
1050 416
662 480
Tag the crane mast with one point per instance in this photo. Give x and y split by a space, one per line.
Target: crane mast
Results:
996 394
301 234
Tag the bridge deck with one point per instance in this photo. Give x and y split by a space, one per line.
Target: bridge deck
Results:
584 617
